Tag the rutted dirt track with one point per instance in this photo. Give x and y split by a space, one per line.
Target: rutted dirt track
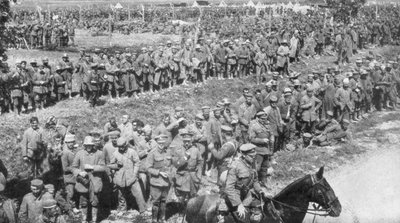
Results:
369 190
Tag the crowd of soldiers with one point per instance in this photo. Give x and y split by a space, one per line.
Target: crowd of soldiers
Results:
232 143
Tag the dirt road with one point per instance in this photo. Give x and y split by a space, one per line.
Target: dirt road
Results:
369 190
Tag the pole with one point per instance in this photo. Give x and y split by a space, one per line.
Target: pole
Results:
129 13
269 20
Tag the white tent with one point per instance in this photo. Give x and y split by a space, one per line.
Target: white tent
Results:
118 6
195 4
222 4
250 4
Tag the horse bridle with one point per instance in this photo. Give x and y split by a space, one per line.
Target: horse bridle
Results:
311 211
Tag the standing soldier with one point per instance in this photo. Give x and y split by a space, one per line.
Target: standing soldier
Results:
220 59
275 121
59 83
145 72
40 82
159 167
126 164
188 163
232 66
32 203
243 56
32 146
261 64
288 109
199 62
283 58
19 81
112 78
67 158
344 101
67 71
88 167
247 111
71 33
161 71
186 63
224 156
261 135
309 104
94 81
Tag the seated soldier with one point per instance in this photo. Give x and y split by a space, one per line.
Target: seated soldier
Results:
333 132
242 188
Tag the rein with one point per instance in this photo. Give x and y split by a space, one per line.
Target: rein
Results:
308 210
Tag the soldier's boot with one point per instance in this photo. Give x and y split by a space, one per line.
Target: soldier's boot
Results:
154 214
84 215
163 209
151 88
94 214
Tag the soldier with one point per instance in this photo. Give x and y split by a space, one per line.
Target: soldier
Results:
145 73
126 164
232 67
199 64
67 158
161 70
111 146
247 111
243 56
275 121
51 213
199 133
112 78
32 203
188 163
88 167
225 155
288 109
93 79
261 64
283 58
309 104
60 84
186 63
158 166
19 82
220 59
33 146
332 131
261 135
40 82
344 101
367 88
241 184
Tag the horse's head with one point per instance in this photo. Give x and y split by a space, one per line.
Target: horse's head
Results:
322 193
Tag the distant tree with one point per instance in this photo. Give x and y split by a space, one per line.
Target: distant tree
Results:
344 10
4 16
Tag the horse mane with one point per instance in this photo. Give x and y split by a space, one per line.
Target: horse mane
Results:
294 186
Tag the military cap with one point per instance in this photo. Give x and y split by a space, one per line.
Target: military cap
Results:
150 48
310 88
287 92
220 104
147 130
248 95
58 68
330 113
226 128
17 61
205 108
128 55
49 187
46 59
117 52
169 42
144 48
185 134
284 41
69 138
121 142
115 133
226 101
198 46
316 72
225 41
275 73
97 50
37 183
273 98
296 82
310 75
94 65
307 135
178 108
161 138
345 121
268 84
247 147
274 83
261 113
65 55
88 141
359 60
199 116
34 61
49 203
88 167
102 66
346 81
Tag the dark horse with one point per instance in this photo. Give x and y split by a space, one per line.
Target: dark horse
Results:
291 204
